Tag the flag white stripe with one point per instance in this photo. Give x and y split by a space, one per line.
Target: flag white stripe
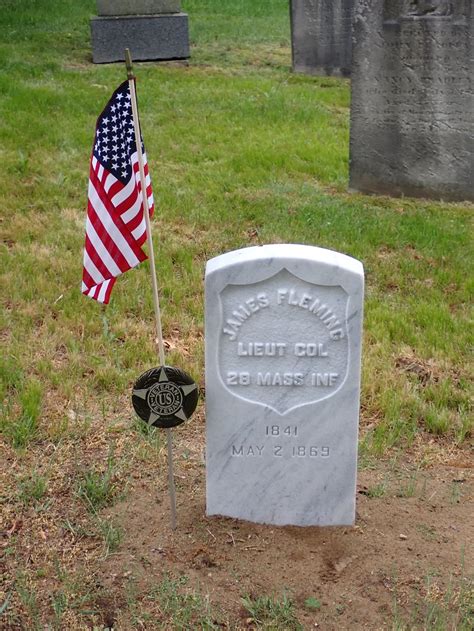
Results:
111 228
110 180
139 230
103 291
101 250
133 211
147 179
91 269
124 194
100 173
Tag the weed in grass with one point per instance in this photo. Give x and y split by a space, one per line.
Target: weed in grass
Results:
29 601
438 609
465 427
78 594
6 602
80 422
22 428
455 494
78 531
21 165
111 534
377 490
33 487
59 570
107 334
366 459
408 487
58 429
272 613
427 532
11 378
59 603
151 434
436 421
454 609
312 603
98 488
151 443
183 609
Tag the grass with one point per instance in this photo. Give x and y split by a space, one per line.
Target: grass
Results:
234 165
438 609
271 613
33 487
241 152
112 535
99 488
20 408
172 604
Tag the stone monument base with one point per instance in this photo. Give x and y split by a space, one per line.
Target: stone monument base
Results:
149 37
321 71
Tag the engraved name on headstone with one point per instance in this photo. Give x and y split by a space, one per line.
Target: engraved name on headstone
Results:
283 344
321 38
412 123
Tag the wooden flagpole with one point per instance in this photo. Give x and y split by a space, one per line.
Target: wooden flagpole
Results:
156 300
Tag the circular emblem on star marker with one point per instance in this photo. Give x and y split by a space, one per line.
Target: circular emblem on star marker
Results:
165 396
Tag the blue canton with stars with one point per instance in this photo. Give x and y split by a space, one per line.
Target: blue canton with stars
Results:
115 136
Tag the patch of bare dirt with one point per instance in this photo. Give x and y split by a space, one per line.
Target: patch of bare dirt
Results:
411 548
412 525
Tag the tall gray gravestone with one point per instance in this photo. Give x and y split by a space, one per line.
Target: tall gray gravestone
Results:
151 29
412 114
283 347
321 36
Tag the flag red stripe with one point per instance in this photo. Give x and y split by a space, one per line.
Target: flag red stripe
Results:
94 254
87 278
98 249
109 291
93 265
107 241
137 251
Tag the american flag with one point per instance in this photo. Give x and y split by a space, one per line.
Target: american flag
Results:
115 226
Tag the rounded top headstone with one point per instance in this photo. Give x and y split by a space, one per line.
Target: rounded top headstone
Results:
301 256
283 346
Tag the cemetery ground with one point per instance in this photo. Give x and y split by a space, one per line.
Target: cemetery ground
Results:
241 153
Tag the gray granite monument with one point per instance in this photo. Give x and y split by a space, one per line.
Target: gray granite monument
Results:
412 114
321 36
151 29
283 347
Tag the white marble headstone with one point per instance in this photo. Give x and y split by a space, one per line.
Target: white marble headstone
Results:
283 347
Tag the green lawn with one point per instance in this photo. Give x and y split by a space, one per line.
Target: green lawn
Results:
241 152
